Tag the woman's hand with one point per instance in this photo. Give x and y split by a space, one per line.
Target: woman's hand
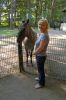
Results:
34 53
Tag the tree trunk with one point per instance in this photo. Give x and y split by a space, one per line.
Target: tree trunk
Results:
53 3
11 15
0 19
14 12
36 11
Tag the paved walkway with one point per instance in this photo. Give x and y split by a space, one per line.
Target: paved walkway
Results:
21 87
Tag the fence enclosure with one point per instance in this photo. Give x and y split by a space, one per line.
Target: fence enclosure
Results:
55 64
8 55
57 58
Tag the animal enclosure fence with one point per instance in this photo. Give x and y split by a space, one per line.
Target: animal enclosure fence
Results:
55 64
8 55
57 58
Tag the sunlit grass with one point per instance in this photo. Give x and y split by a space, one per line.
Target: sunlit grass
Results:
7 31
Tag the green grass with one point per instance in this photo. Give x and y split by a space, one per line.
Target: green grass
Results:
7 31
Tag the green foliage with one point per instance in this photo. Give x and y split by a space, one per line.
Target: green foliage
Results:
36 9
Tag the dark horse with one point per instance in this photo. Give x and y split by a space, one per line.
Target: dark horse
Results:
29 41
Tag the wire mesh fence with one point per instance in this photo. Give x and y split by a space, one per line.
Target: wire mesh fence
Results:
8 55
57 58
55 65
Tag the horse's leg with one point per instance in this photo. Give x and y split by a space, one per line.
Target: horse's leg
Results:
27 56
31 57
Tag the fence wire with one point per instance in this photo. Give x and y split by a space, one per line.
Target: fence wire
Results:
57 58
8 55
55 65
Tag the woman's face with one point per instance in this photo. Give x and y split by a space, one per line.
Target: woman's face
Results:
42 27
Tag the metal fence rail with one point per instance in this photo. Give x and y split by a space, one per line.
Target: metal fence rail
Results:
55 64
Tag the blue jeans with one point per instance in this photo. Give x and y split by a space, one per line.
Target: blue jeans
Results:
40 64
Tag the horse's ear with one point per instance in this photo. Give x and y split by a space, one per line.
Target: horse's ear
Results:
27 20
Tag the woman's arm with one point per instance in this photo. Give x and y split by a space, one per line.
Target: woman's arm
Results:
43 43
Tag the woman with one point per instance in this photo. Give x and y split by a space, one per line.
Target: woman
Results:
40 51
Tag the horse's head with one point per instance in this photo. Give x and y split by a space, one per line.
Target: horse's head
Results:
24 31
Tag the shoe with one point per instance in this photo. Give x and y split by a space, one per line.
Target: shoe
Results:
37 79
37 86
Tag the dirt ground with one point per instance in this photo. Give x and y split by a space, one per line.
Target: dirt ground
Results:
21 87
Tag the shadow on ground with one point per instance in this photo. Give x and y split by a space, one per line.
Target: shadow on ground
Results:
21 87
